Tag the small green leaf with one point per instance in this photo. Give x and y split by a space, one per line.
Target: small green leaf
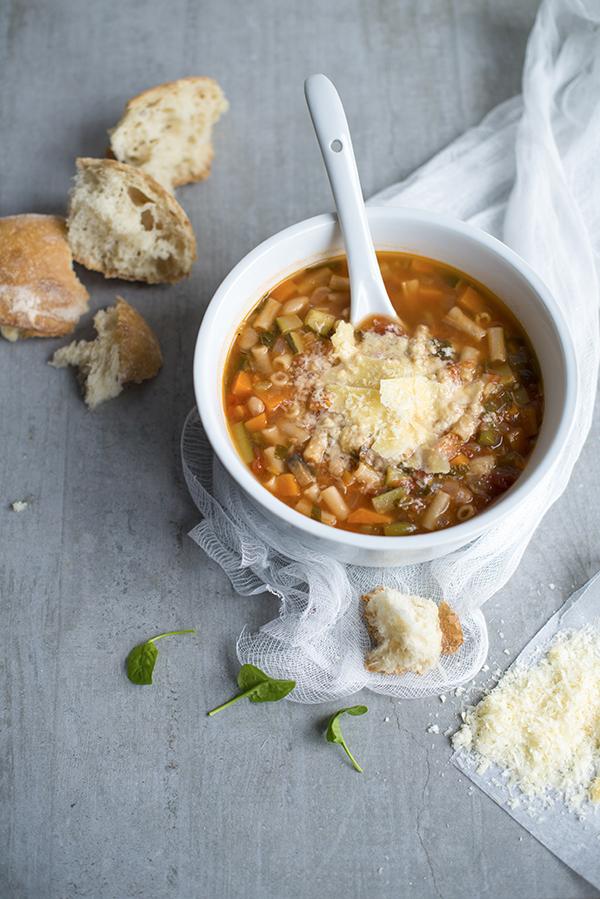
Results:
142 658
257 687
334 730
140 663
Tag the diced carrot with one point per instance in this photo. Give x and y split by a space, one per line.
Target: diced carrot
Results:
347 478
257 423
471 300
286 486
368 516
284 291
459 459
238 412
242 384
274 398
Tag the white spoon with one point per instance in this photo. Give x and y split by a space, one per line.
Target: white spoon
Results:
368 295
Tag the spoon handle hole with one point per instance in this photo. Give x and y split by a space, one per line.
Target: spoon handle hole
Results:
336 145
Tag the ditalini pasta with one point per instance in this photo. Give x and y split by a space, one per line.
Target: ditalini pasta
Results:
398 427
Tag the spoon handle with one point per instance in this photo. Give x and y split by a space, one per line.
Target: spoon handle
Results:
368 293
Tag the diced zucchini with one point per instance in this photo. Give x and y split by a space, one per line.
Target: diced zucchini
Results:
295 341
399 529
243 442
287 323
393 476
520 396
320 322
489 437
385 502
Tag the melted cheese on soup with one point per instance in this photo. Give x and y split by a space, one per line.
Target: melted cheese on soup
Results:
393 394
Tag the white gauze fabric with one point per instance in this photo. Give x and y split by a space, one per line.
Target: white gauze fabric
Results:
529 173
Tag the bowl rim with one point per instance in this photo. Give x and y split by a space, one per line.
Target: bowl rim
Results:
463 533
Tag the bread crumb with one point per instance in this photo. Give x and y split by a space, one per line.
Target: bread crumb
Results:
125 350
443 697
406 630
19 505
433 729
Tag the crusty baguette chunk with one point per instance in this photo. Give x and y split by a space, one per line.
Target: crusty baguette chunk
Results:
124 224
125 350
40 294
167 130
409 633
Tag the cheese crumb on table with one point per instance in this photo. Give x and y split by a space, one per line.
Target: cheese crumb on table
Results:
541 724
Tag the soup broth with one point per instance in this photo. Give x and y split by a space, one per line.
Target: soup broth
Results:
394 428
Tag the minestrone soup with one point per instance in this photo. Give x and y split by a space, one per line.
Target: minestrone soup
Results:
398 427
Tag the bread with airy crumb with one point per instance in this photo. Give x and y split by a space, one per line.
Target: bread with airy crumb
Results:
409 633
40 294
167 130
123 223
126 350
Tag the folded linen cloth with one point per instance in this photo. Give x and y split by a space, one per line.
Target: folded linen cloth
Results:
528 174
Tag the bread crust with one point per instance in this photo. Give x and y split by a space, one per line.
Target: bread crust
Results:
40 294
156 93
135 177
140 357
452 633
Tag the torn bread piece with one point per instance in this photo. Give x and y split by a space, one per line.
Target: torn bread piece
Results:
166 131
125 350
40 294
410 632
124 224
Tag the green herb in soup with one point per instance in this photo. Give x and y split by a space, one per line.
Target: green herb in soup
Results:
395 428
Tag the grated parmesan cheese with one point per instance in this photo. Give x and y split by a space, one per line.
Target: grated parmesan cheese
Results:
390 394
541 724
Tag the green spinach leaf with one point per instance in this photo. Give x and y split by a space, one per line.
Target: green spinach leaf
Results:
257 687
334 730
142 658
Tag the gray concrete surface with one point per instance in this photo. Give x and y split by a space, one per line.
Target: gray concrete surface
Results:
111 791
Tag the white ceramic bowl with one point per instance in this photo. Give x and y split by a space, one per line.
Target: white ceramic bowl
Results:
462 246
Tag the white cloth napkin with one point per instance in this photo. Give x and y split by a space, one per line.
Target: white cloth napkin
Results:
530 174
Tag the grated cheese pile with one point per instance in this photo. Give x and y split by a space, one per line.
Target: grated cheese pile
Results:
393 395
542 724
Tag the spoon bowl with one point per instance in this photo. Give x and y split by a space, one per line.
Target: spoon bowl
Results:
368 296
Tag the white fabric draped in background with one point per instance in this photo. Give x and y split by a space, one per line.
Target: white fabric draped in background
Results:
530 174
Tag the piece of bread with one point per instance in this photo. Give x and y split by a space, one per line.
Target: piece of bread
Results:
124 224
166 131
125 350
40 294
410 633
